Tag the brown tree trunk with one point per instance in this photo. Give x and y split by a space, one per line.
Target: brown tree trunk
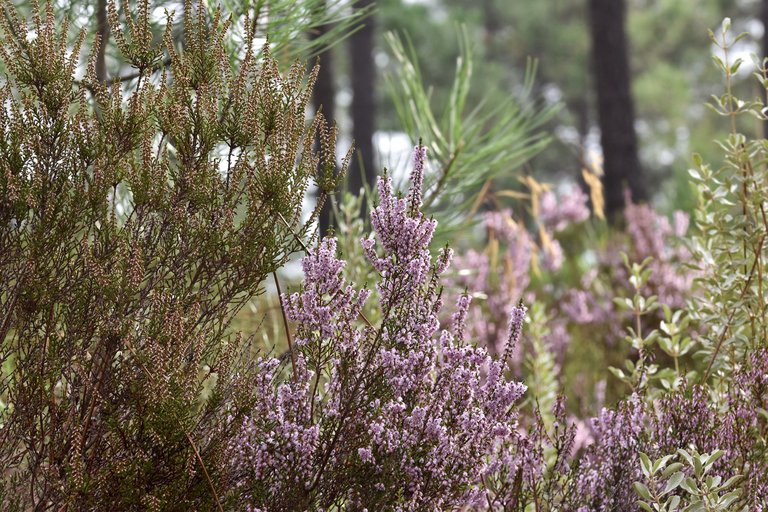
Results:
764 19
616 114
102 29
324 98
363 78
491 25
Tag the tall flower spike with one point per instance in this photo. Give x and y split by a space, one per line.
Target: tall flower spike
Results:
459 318
515 329
417 178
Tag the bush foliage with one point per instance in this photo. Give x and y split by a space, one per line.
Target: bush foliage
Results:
136 222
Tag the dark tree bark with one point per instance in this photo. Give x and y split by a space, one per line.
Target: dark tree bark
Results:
324 98
491 25
363 78
616 114
102 29
764 19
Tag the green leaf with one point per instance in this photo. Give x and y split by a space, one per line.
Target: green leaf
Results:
728 499
643 505
672 468
674 482
645 464
642 491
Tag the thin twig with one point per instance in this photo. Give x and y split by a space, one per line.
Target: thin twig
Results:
285 324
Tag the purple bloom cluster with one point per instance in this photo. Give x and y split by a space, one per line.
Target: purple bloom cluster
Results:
558 211
405 413
502 273
647 235
609 468
652 235
402 415
732 422
501 278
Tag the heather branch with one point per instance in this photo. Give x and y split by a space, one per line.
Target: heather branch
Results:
285 325
309 253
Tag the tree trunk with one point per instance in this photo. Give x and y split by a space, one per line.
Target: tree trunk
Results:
764 19
324 98
491 26
363 75
615 110
102 29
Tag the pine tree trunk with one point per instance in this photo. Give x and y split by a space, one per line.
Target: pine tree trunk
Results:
764 19
363 70
615 109
324 97
102 29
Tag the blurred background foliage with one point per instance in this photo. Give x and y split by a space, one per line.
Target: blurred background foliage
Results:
671 73
505 107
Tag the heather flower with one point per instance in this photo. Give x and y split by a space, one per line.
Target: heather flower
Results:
558 211
417 178
683 419
652 236
502 285
680 419
535 467
515 328
553 257
402 415
609 468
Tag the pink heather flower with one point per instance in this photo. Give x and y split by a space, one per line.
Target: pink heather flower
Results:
459 317
583 437
417 178
558 211
365 454
680 222
515 328
652 235
444 259
500 287
402 414
610 467
553 257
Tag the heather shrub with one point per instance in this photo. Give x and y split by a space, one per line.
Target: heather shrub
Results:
403 415
136 222
580 321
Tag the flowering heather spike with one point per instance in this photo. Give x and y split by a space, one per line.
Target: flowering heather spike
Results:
417 177
515 329
444 260
459 318
478 272
405 238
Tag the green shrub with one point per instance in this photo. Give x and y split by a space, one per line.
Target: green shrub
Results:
135 223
